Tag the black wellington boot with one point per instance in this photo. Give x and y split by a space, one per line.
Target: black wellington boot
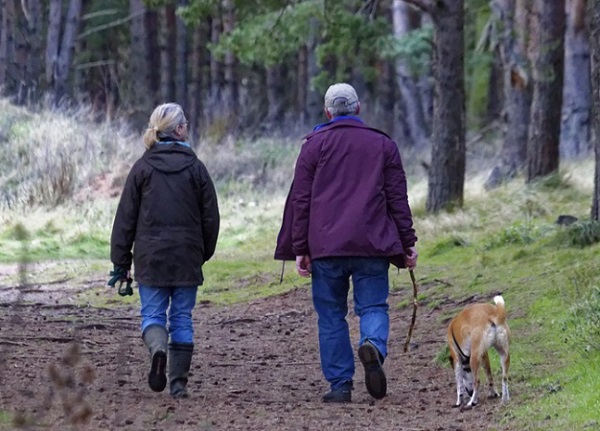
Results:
180 359
156 339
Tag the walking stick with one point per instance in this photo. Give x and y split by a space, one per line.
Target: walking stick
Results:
414 313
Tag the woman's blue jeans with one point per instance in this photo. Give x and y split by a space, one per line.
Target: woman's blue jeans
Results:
330 287
155 302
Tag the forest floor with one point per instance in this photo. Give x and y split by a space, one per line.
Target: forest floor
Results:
64 366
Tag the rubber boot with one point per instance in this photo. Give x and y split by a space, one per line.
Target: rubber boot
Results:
180 359
156 339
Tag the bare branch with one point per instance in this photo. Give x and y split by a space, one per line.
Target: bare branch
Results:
108 25
424 5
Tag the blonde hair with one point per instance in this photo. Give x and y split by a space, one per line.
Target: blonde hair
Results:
163 122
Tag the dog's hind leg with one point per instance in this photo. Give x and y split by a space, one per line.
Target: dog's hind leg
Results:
488 372
460 389
505 363
474 365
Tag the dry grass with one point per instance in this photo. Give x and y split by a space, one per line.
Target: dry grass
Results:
47 156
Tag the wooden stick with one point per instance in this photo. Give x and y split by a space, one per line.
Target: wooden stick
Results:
414 313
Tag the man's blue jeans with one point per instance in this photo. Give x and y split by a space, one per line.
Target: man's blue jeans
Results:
330 287
155 302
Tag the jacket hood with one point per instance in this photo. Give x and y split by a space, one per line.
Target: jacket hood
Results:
170 157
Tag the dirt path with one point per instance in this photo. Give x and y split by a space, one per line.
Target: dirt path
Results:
256 367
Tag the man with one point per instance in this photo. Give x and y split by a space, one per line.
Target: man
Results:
347 215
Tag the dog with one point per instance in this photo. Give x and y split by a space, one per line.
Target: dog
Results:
476 329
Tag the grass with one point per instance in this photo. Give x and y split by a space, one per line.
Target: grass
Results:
503 241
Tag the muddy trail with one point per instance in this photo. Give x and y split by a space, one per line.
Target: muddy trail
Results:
256 367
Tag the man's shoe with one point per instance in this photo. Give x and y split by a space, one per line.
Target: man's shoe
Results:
343 394
374 376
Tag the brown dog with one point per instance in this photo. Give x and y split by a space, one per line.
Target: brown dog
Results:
470 335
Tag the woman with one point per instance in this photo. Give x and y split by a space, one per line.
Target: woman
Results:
168 212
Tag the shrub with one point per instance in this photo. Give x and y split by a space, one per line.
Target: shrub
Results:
579 234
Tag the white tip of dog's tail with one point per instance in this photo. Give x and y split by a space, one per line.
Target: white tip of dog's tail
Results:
499 301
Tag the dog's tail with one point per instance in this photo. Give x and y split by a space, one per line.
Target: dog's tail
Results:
499 301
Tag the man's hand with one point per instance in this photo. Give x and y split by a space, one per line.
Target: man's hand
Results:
303 265
411 257
118 274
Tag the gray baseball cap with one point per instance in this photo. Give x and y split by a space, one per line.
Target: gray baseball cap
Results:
340 94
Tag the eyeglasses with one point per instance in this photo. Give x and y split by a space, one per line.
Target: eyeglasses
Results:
185 123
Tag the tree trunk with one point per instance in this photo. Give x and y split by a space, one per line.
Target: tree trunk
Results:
167 53
495 94
302 84
544 130
575 127
426 82
447 170
274 95
594 14
513 16
20 61
314 101
139 69
67 48
230 87
7 31
152 52
407 81
386 101
216 72
32 42
195 102
53 41
181 61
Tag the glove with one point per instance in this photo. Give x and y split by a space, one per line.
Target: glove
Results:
121 276
118 274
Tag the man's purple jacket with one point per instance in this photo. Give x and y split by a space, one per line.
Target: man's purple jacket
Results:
348 197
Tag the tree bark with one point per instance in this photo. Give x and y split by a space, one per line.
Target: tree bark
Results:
426 82
20 61
594 14
67 48
447 169
302 84
387 98
216 71
513 16
152 51
230 87
274 95
407 81
167 52
29 91
575 127
198 54
53 41
544 130
314 101
139 68
6 43
495 94
181 61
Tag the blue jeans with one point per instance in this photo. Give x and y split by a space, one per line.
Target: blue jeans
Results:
155 302
330 286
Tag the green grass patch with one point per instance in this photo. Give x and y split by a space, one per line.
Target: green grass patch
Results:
5 420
